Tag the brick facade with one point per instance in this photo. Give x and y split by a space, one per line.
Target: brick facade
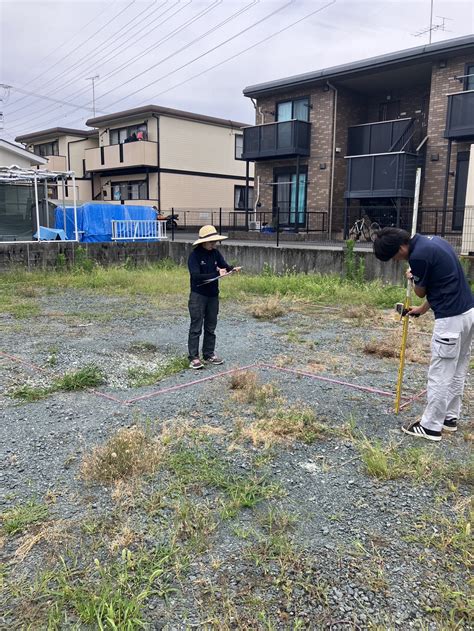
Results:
426 102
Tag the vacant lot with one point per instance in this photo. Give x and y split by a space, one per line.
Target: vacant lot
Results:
273 492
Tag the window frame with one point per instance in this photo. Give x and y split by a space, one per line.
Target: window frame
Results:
54 145
468 65
129 130
292 101
128 184
251 194
235 147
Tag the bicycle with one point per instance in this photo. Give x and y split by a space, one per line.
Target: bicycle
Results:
364 228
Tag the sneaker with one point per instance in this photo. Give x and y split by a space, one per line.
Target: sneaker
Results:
450 425
196 364
213 359
417 429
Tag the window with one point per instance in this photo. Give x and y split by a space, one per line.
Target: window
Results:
239 197
128 134
136 189
292 213
239 146
469 78
47 149
289 110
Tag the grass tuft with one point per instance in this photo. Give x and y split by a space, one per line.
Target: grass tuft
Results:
285 425
140 376
19 518
128 453
268 309
87 377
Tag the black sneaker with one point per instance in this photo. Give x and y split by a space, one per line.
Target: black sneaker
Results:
417 429
450 425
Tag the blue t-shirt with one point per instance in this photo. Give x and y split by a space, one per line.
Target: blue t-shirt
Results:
436 267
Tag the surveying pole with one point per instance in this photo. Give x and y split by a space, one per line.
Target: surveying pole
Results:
406 304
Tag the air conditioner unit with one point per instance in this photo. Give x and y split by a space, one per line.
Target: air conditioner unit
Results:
254 225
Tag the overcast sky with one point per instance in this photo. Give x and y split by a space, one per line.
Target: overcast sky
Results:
151 51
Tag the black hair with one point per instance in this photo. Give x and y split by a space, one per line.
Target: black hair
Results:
388 241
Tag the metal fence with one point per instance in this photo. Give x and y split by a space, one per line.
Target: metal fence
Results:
138 230
312 225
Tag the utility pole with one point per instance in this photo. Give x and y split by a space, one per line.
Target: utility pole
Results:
3 99
93 90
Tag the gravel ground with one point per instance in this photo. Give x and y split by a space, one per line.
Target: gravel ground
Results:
357 565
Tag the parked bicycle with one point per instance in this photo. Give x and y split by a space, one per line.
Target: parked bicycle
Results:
364 228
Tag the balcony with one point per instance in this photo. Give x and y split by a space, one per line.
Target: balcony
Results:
123 156
286 139
381 175
382 137
460 116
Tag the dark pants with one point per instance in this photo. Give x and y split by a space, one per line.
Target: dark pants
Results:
203 310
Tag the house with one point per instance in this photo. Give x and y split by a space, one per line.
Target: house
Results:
169 158
64 150
338 143
11 154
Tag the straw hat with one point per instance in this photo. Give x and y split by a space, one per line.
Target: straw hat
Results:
208 233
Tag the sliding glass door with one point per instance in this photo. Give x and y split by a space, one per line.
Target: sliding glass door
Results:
290 198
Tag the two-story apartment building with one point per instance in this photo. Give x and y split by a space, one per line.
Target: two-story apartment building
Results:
64 149
169 158
347 140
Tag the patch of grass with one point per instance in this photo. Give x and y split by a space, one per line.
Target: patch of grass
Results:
87 377
30 393
268 309
247 388
139 376
194 522
142 347
391 463
128 453
20 517
285 424
388 345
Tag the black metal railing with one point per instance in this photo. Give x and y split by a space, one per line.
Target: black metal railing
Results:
376 137
460 115
273 140
281 225
381 175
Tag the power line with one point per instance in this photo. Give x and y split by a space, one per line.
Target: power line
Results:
77 48
226 41
202 36
61 46
39 114
246 49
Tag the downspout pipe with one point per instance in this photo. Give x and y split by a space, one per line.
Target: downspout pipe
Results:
333 156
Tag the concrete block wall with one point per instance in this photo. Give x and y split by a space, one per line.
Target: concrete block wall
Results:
252 257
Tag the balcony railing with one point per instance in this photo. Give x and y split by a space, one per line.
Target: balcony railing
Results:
276 140
380 137
460 115
381 175
125 155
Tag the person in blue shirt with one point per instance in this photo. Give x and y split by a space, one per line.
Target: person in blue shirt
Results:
206 264
439 278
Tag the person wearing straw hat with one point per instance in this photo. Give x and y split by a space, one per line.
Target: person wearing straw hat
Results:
206 265
439 278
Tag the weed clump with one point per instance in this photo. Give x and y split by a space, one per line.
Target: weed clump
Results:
20 517
128 453
389 346
87 377
285 425
248 389
268 309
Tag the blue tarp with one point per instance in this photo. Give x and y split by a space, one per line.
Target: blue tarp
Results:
48 234
94 221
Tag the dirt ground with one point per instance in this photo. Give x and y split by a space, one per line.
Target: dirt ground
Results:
286 500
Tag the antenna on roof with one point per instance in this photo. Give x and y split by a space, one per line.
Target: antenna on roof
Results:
433 27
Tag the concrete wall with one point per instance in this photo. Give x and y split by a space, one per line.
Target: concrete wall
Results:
252 258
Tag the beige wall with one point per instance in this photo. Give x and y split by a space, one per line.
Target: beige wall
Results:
77 154
191 191
7 158
195 146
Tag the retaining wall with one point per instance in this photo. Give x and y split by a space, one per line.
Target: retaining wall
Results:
253 258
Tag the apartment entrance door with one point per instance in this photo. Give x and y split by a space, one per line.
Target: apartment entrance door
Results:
460 188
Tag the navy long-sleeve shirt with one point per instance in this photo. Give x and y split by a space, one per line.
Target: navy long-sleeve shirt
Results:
202 265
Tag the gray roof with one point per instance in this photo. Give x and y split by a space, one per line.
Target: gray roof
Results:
165 111
21 151
54 131
410 56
